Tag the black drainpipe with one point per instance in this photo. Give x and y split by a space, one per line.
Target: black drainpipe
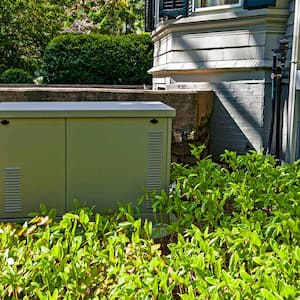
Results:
279 55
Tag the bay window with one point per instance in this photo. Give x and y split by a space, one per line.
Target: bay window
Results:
156 10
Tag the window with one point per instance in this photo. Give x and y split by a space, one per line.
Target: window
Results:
211 4
156 10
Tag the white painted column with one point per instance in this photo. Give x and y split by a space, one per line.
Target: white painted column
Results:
293 114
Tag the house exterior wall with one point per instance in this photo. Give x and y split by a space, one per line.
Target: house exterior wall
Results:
286 80
293 111
229 52
290 27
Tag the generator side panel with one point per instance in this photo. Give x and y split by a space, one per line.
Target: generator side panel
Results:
32 166
113 160
297 140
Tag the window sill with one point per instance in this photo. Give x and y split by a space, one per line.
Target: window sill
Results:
217 8
203 67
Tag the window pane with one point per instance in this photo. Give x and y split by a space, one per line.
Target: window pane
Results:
209 3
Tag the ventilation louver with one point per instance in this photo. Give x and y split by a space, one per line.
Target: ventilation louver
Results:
173 8
155 163
12 189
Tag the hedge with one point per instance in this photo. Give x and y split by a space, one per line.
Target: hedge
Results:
98 59
15 76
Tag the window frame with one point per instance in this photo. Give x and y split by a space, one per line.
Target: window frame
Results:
217 7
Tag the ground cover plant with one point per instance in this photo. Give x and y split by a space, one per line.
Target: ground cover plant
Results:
234 235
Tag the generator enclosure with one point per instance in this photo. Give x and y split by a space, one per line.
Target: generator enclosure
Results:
100 153
297 100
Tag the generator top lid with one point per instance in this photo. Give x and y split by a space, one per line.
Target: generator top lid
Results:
85 109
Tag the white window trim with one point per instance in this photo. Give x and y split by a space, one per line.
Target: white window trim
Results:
217 7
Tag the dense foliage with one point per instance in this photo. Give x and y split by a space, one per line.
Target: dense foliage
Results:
15 76
107 17
26 28
102 59
235 235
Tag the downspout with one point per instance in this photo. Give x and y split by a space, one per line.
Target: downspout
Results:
268 150
292 105
279 115
276 125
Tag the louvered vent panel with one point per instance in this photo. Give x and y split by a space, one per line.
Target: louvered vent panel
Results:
173 4
12 189
155 162
173 8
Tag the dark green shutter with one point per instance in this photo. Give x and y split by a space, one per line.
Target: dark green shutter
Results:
149 15
253 4
173 8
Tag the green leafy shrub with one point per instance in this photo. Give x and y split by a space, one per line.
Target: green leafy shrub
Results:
243 186
16 76
27 26
236 229
101 59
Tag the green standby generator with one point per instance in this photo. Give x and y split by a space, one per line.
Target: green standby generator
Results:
100 153
297 108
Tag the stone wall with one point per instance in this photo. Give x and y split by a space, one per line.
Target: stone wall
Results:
190 125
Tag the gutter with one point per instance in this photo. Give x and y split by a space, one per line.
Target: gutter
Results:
293 105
